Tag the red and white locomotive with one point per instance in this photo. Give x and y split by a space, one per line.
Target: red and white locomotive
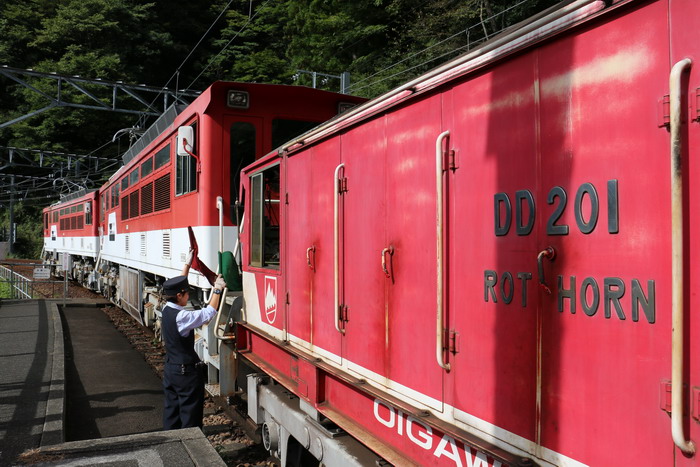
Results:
493 264
142 213
71 232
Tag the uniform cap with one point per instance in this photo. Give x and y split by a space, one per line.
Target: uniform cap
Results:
176 285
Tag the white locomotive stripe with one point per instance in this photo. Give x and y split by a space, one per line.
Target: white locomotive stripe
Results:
167 259
80 246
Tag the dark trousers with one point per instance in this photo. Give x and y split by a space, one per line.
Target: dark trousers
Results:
184 396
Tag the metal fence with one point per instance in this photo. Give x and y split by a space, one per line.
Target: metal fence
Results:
19 286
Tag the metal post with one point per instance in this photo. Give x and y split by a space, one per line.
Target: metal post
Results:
344 82
12 213
12 281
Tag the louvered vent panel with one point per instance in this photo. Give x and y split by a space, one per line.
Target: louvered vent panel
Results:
147 199
162 193
125 207
134 204
143 244
126 239
166 244
73 223
80 222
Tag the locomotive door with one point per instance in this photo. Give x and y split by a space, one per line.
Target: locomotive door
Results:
362 318
243 141
685 38
559 248
388 230
490 331
309 181
606 213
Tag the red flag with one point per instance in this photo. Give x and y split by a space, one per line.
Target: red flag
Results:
197 264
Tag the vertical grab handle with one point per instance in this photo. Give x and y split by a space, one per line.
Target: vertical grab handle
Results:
390 250
336 249
677 432
439 331
308 255
220 208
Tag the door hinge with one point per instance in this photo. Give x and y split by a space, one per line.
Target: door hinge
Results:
287 299
451 160
343 313
664 111
343 185
286 198
695 106
453 342
665 398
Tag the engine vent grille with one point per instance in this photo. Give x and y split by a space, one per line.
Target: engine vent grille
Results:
125 207
166 244
147 199
143 244
162 193
134 204
126 245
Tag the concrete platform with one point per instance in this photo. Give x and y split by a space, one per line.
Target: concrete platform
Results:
109 387
177 448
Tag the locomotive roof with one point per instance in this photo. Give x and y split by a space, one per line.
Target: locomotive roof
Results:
169 119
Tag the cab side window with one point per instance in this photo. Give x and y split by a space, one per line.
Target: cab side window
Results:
265 219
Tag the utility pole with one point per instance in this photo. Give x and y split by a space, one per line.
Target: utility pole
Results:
12 213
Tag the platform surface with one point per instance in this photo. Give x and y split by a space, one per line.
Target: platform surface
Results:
92 401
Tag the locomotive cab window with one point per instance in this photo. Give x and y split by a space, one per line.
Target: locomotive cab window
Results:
265 219
186 169
243 136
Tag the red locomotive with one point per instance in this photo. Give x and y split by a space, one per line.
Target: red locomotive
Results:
496 259
490 265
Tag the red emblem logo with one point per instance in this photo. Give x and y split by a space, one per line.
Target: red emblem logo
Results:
270 299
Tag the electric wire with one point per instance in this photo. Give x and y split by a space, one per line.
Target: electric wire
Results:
354 85
177 70
250 20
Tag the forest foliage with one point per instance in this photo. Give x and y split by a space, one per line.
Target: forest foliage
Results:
185 44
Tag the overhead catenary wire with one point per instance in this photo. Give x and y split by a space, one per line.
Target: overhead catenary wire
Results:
250 20
206 33
353 87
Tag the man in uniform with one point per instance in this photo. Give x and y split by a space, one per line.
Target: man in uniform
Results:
183 382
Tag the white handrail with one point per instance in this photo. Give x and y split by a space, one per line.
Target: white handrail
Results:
677 432
440 345
336 242
220 207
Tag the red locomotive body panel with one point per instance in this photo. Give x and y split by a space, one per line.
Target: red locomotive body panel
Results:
479 266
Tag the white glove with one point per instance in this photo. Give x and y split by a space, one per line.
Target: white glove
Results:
220 283
190 257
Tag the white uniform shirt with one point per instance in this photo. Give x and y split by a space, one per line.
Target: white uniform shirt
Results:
187 320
